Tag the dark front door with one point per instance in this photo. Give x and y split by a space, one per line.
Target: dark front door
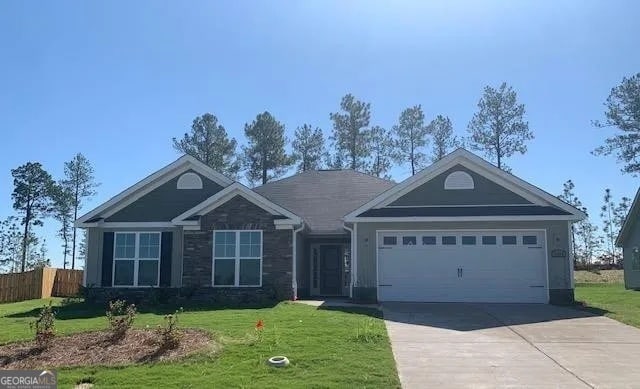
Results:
330 270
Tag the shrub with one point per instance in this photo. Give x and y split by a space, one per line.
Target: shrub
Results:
168 333
120 317
44 326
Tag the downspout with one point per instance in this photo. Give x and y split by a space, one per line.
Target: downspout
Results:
353 259
294 280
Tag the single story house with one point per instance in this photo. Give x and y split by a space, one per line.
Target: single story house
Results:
461 230
629 240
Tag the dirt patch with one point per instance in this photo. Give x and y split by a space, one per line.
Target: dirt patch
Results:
98 348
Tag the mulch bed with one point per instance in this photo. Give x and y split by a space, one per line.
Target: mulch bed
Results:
99 348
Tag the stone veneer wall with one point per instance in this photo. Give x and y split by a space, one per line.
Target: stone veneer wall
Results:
239 214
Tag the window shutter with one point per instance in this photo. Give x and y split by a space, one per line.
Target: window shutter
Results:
107 259
165 258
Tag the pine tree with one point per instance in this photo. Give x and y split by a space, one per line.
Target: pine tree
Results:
382 154
265 157
441 131
411 138
351 133
568 196
498 128
31 199
623 114
209 142
308 148
80 182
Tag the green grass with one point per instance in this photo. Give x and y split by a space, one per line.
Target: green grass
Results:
616 302
608 276
327 348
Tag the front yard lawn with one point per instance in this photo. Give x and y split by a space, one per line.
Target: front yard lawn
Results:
620 304
327 348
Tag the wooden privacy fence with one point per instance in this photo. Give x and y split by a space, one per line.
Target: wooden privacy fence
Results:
39 283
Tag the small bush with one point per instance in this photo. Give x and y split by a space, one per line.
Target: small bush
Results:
44 326
120 317
369 331
168 333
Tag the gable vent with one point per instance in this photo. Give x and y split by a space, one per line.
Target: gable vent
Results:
189 180
458 180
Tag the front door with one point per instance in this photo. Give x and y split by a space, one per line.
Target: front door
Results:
330 270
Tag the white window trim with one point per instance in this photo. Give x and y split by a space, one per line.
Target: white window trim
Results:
136 259
236 258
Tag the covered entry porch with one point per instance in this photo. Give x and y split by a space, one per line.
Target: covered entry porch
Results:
324 266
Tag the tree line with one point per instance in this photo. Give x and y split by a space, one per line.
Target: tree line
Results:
498 129
591 242
37 196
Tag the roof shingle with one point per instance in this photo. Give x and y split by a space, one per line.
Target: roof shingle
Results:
323 197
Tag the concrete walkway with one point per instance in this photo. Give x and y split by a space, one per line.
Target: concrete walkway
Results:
336 303
510 345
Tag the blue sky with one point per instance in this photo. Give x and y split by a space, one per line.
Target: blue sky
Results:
116 80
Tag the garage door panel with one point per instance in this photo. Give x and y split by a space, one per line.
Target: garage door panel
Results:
483 269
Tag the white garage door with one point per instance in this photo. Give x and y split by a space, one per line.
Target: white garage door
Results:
462 266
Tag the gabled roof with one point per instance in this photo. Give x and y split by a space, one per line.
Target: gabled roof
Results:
323 197
233 190
471 161
149 183
629 221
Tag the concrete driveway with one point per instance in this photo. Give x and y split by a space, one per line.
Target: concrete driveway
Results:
510 345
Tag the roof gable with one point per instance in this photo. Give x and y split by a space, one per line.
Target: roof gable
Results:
228 193
478 166
166 201
434 192
145 186
630 221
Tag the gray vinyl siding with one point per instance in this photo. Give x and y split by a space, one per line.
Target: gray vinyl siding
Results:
93 267
485 192
557 239
165 202
632 239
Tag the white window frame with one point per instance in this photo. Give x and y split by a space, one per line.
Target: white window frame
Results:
237 257
136 259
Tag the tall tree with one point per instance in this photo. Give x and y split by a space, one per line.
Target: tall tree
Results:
308 148
63 213
610 233
82 248
441 130
209 142
411 137
382 152
10 245
351 132
568 196
623 113
613 216
498 128
265 157
588 242
38 257
80 182
31 199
